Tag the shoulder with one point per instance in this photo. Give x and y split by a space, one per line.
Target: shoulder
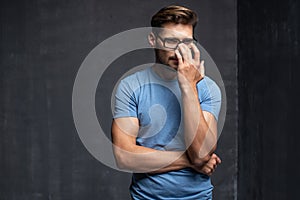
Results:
209 96
130 84
209 87
138 75
134 80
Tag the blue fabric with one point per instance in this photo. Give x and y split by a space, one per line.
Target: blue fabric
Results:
183 184
157 105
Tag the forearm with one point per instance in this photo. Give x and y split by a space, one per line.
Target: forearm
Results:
144 159
132 157
199 138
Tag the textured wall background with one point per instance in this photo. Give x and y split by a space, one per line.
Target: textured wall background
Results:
43 44
268 47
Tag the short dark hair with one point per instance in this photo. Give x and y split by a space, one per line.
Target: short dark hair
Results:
174 14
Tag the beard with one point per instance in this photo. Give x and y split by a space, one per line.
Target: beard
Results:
164 57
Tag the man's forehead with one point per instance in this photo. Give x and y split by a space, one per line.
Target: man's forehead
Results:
180 32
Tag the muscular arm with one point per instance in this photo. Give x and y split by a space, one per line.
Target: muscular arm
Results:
200 127
137 158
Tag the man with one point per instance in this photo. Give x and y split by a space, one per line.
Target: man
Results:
165 118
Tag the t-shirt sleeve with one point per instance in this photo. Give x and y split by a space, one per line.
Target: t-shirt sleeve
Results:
125 101
209 96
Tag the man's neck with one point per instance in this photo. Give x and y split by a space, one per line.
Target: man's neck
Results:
165 72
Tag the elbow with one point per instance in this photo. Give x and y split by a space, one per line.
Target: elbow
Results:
121 160
200 158
213 149
120 164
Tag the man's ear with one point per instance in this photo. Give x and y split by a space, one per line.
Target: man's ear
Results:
151 39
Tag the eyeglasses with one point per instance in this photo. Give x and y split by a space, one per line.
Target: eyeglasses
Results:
172 43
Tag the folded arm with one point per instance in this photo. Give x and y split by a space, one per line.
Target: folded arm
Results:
200 127
130 156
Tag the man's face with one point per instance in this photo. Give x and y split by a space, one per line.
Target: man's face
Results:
166 55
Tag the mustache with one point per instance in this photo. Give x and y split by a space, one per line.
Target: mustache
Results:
173 57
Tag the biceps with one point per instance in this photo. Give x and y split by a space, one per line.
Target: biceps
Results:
124 132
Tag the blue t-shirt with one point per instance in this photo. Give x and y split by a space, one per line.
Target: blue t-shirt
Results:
157 105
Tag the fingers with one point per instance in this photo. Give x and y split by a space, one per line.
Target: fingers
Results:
186 53
179 57
190 68
206 170
196 52
197 59
211 165
217 158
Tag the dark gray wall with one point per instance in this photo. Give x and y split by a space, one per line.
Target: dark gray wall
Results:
43 44
268 43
